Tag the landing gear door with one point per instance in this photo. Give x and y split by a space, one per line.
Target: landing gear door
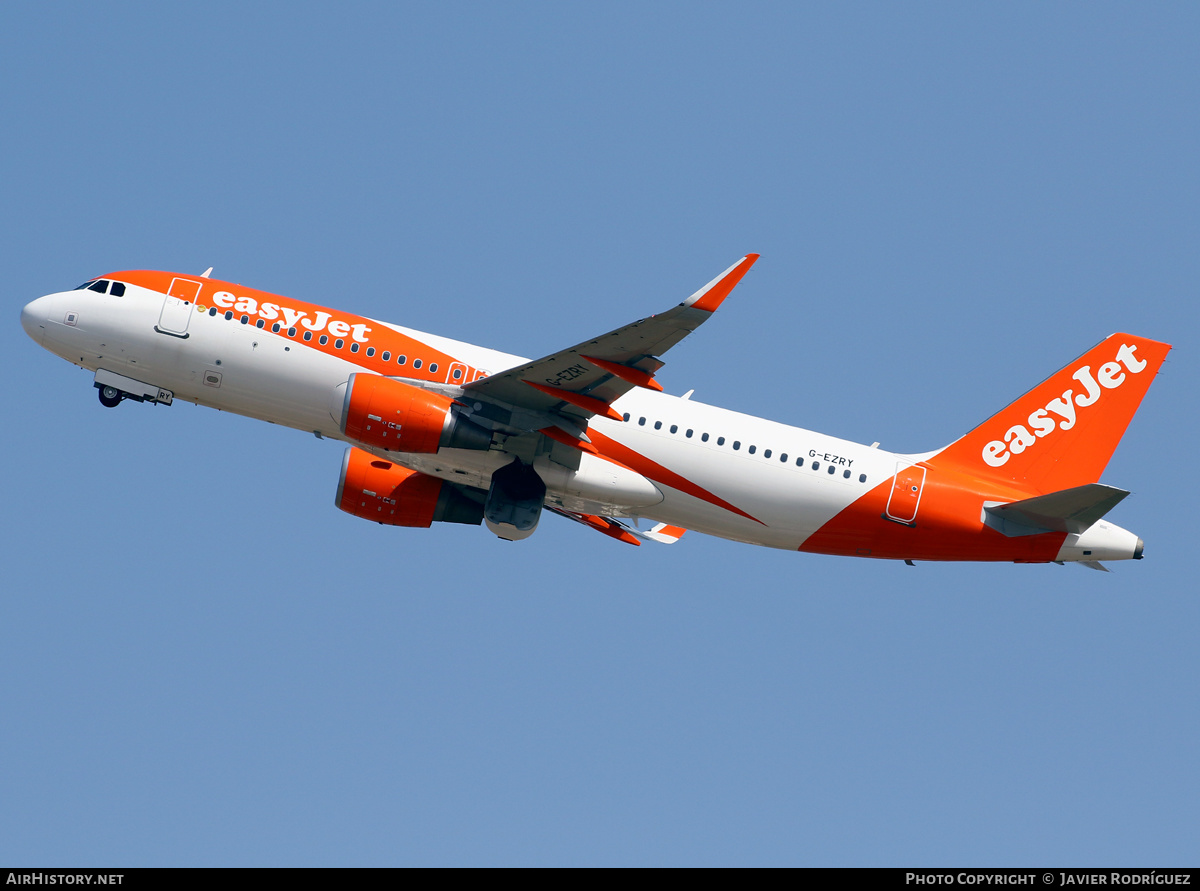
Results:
178 307
906 494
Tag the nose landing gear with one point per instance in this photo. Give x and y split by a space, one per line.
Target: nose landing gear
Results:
110 397
116 388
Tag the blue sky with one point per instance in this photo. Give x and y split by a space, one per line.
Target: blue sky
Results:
206 663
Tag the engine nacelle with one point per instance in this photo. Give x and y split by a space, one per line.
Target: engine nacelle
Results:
387 493
399 417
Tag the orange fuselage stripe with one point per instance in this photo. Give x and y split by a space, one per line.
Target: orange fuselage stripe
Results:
652 470
352 330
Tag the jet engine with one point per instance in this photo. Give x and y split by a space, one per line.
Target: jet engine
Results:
399 417
387 493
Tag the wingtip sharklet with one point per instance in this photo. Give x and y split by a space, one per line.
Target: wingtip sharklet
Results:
665 533
714 293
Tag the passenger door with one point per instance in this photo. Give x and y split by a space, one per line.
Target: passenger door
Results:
177 307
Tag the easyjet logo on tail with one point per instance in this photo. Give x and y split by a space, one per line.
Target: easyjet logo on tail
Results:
1061 412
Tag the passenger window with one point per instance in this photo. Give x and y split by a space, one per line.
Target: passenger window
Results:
416 363
324 339
625 417
752 448
291 332
433 368
370 352
799 462
766 453
213 311
308 335
846 474
641 422
261 323
832 469
658 425
275 328
245 319
117 289
337 344
736 445
720 440
457 373
862 477
400 360
387 355
689 433
354 348
229 314
704 437
783 458
99 287
674 428
816 465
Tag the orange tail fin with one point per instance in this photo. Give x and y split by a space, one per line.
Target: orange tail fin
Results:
1062 432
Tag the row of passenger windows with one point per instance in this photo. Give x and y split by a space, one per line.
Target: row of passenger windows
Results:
103 286
737 446
386 355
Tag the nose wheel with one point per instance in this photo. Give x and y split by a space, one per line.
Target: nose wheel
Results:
110 397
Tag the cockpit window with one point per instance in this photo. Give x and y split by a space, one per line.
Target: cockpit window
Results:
100 286
117 289
86 284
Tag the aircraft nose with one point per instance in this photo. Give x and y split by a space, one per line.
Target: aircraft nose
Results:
33 318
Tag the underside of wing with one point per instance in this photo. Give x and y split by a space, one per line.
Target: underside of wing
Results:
565 389
661 533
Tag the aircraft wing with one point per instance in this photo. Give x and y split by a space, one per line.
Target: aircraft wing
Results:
585 379
662 533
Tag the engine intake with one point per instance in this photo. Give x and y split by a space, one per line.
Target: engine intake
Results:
399 417
387 493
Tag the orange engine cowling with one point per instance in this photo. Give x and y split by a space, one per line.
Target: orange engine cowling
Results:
387 493
399 417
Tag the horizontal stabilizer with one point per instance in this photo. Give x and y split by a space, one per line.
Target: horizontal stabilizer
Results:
1071 510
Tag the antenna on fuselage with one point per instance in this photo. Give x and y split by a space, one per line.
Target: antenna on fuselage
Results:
206 273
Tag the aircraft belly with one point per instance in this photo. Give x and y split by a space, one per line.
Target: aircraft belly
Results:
247 371
597 487
599 482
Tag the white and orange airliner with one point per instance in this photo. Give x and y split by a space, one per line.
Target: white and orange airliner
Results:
443 431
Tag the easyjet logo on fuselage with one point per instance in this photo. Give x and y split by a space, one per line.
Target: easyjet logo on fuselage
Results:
1061 412
289 317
